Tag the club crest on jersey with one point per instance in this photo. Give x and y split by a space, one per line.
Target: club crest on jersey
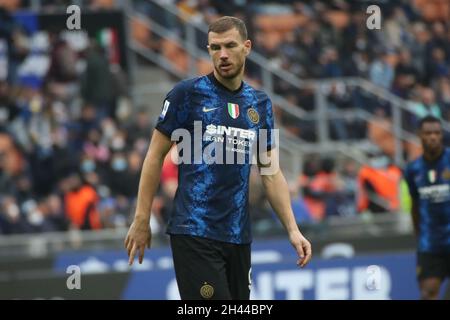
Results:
253 115
233 110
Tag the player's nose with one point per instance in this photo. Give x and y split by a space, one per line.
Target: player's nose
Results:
223 54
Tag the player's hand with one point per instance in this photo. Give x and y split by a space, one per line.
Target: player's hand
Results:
139 236
302 246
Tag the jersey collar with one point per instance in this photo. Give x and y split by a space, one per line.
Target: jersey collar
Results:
217 83
437 159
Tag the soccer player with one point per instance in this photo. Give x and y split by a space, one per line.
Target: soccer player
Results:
428 179
210 227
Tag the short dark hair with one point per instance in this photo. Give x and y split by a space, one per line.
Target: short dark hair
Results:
428 119
226 23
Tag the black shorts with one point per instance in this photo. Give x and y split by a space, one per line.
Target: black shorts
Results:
433 265
210 269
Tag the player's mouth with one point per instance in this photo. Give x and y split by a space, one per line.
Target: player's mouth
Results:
225 66
433 145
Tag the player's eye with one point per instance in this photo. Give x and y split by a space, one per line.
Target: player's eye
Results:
231 45
214 47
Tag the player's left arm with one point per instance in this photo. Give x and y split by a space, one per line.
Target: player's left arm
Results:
277 192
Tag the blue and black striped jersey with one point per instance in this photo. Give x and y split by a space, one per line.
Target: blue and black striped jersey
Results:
429 185
212 196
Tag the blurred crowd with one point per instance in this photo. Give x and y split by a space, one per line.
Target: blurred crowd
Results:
408 56
72 143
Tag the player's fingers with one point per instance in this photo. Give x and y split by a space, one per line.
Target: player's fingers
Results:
127 239
129 247
141 249
149 242
300 253
132 254
308 254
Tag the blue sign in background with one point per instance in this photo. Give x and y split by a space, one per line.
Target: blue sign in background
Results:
274 274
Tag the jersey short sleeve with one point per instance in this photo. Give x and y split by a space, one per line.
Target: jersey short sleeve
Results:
174 112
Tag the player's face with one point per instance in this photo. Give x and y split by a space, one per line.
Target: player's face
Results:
228 51
431 136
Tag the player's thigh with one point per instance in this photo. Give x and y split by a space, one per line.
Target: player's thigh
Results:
239 271
199 268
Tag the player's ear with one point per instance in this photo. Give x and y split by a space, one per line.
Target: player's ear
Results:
247 47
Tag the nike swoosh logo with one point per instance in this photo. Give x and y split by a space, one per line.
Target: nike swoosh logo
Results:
208 110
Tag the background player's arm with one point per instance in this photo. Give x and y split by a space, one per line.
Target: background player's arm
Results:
415 215
139 234
412 189
277 192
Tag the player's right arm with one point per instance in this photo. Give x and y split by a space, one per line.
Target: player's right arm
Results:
139 235
173 116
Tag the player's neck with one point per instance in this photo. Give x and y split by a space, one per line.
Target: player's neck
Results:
433 155
232 84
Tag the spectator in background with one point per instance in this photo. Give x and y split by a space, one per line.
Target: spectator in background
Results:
329 63
16 41
135 161
320 187
443 90
8 107
437 65
63 62
395 27
381 71
12 158
95 148
140 128
117 174
339 100
22 189
347 196
97 82
301 212
427 105
378 185
80 202
6 182
10 217
418 45
406 74
438 39
124 173
55 214
88 120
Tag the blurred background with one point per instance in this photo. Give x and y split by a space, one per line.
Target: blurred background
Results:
77 110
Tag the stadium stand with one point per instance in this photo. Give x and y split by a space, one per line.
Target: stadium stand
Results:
69 119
